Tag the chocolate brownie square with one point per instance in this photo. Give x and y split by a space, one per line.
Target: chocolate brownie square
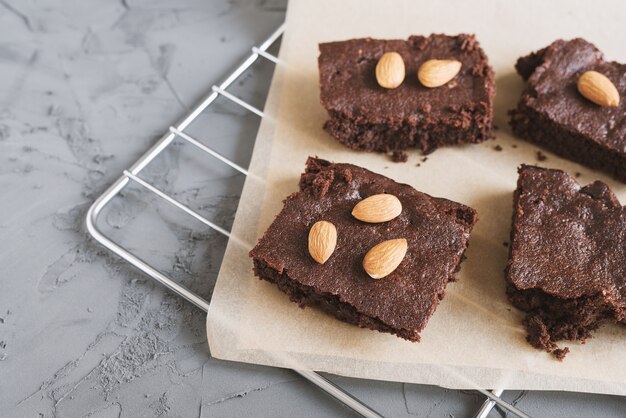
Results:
567 260
365 116
436 230
554 114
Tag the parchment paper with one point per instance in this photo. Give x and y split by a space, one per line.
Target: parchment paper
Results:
475 337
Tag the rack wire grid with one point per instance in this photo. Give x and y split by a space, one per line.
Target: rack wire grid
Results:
178 132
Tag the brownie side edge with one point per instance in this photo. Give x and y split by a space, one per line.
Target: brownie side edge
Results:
305 295
536 128
390 137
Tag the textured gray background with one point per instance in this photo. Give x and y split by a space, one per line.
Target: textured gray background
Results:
85 88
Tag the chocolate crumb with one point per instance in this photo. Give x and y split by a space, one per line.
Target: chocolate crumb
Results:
514 146
399 157
424 159
506 244
418 165
560 353
541 156
577 174
497 148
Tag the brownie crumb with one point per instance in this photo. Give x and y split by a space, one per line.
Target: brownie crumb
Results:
497 148
399 157
560 353
541 156
577 174
506 244
514 146
418 165
424 159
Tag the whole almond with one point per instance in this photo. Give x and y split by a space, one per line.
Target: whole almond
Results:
390 70
598 88
435 73
377 208
322 241
384 258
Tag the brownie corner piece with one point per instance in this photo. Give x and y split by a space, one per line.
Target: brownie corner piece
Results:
365 116
553 114
436 230
567 258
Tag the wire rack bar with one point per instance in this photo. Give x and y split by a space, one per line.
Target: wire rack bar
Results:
178 132
488 405
208 150
237 100
265 54
177 204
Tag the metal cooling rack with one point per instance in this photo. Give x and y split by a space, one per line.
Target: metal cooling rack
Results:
178 133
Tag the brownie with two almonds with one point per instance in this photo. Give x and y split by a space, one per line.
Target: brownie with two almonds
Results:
436 230
365 116
567 258
554 114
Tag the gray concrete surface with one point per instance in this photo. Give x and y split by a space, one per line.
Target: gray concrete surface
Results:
85 87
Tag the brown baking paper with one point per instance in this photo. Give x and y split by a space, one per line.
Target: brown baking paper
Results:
475 337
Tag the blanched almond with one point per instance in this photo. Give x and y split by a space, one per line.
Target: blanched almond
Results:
390 70
598 88
377 208
384 258
322 241
435 73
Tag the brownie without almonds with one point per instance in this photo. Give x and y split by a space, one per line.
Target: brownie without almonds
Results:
567 258
366 116
437 231
553 114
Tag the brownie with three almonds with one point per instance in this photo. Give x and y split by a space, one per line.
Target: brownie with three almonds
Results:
365 116
435 229
567 258
554 114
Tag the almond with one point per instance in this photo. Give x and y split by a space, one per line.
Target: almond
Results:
390 70
384 258
598 88
377 208
435 73
322 241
